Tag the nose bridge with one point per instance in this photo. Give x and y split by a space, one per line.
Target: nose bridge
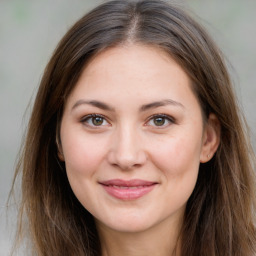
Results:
127 149
126 141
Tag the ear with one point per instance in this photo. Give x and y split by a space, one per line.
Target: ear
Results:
59 148
211 138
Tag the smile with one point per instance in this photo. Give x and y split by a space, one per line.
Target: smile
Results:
127 190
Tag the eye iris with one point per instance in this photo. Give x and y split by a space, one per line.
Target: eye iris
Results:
159 121
97 120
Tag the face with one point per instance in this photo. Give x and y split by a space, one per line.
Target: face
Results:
132 138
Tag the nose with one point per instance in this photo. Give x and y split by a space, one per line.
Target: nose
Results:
127 149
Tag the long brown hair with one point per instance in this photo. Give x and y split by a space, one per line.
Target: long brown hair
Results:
220 214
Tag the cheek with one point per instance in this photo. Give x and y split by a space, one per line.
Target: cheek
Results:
82 154
83 157
177 156
179 162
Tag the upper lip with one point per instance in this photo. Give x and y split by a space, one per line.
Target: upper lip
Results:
127 183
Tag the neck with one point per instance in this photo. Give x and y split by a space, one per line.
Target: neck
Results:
159 241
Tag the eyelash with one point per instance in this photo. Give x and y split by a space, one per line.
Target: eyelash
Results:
169 119
165 117
85 120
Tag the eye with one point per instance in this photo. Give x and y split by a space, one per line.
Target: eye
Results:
160 121
94 120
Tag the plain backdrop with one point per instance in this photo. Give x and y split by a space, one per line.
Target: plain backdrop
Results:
29 32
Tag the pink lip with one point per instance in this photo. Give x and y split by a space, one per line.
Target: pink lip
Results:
127 189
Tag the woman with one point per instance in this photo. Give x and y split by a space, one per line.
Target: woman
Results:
136 145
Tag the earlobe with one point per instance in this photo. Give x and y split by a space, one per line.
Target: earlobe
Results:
59 149
60 156
211 138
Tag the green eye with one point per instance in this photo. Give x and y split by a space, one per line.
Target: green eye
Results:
97 120
159 121
94 120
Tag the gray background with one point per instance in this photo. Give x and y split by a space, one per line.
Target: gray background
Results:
30 30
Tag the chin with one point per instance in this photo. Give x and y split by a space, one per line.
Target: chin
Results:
129 224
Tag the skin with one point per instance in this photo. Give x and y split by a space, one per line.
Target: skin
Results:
133 140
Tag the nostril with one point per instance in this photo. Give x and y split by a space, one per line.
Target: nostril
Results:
126 161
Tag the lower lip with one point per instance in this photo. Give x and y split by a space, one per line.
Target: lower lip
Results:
128 193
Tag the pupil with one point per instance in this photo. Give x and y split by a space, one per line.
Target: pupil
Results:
97 120
159 121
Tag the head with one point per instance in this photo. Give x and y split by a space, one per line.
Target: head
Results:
220 183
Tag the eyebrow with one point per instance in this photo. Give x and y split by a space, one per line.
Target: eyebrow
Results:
94 103
143 108
161 103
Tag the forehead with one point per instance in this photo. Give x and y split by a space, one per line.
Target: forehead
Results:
132 67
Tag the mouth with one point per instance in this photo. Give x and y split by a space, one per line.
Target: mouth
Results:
128 189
